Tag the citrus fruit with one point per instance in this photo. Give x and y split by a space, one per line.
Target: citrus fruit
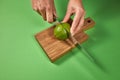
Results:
62 31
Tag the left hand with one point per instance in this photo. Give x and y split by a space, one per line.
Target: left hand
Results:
75 7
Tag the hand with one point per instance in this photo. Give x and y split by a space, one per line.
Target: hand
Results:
75 7
45 8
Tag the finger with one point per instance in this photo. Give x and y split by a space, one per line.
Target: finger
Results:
49 15
54 12
34 5
67 16
81 23
38 11
75 22
54 15
34 8
43 13
38 8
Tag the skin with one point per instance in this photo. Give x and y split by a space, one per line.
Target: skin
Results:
47 10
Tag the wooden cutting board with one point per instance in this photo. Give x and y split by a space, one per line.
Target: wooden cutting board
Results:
55 48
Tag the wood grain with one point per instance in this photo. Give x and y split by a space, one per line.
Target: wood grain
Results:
55 48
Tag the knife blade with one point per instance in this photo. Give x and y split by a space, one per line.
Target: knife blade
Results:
56 22
79 46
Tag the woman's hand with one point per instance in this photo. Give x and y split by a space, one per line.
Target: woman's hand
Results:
45 8
75 7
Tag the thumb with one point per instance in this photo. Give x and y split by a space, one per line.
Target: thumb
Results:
67 16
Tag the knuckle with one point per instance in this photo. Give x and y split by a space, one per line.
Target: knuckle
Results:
81 10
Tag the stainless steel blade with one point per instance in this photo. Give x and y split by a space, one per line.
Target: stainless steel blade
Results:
56 22
83 49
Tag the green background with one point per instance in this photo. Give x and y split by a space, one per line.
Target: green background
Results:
21 57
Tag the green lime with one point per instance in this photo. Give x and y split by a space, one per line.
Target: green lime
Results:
67 27
62 31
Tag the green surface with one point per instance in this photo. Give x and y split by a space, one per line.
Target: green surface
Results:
21 57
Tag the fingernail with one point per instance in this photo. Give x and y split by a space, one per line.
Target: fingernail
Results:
63 21
35 8
71 32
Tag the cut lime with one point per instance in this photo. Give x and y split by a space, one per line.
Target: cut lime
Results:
62 31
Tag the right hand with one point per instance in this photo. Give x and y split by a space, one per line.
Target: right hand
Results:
45 8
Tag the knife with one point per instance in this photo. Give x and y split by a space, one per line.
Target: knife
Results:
56 22
79 46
